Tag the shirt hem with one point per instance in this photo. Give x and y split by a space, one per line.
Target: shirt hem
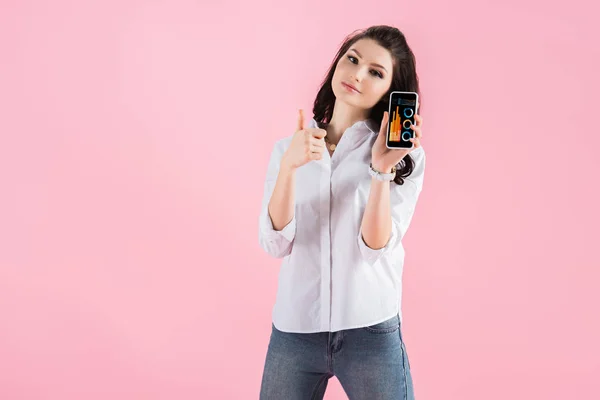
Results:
397 313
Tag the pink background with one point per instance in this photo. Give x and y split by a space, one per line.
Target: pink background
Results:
129 257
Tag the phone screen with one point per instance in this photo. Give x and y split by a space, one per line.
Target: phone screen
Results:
403 107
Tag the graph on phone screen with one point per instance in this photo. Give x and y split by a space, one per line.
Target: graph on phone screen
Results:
395 128
398 123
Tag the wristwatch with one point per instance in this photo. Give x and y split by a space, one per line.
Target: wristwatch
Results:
380 176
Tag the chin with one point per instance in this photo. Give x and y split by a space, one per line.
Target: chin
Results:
350 100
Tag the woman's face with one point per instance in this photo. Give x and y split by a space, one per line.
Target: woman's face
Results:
368 67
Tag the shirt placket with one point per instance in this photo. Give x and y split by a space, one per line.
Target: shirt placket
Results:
324 223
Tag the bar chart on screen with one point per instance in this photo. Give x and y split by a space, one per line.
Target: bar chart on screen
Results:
395 126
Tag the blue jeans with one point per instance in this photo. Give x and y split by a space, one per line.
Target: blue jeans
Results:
370 363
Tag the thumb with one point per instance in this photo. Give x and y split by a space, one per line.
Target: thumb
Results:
300 120
383 129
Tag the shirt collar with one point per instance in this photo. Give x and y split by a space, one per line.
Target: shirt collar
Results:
361 127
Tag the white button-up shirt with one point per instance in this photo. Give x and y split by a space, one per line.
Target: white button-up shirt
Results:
329 278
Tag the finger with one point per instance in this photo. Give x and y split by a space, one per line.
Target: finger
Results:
418 132
416 142
319 133
315 148
383 129
418 120
316 156
317 142
300 119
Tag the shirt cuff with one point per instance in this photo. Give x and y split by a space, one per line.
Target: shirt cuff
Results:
269 232
370 255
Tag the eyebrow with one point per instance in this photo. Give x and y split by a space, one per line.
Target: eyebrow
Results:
376 65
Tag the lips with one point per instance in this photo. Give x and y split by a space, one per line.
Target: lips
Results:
350 87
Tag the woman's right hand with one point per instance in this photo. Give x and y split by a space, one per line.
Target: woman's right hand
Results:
307 145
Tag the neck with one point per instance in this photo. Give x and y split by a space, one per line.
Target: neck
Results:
344 116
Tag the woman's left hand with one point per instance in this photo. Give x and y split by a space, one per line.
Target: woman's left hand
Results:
384 159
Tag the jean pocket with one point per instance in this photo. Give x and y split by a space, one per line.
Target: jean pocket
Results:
387 326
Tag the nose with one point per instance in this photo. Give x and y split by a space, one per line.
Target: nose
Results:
360 74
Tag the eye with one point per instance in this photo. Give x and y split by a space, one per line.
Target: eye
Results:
353 60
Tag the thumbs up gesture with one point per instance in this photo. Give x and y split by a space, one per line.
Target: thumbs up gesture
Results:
307 144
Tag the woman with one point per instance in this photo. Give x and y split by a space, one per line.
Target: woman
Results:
338 227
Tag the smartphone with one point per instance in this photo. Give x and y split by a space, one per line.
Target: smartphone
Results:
402 110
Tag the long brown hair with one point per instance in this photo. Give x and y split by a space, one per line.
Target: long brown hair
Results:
404 78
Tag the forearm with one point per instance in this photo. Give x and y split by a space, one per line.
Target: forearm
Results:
376 223
282 202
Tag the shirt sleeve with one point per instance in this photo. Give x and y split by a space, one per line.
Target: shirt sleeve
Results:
276 243
403 199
